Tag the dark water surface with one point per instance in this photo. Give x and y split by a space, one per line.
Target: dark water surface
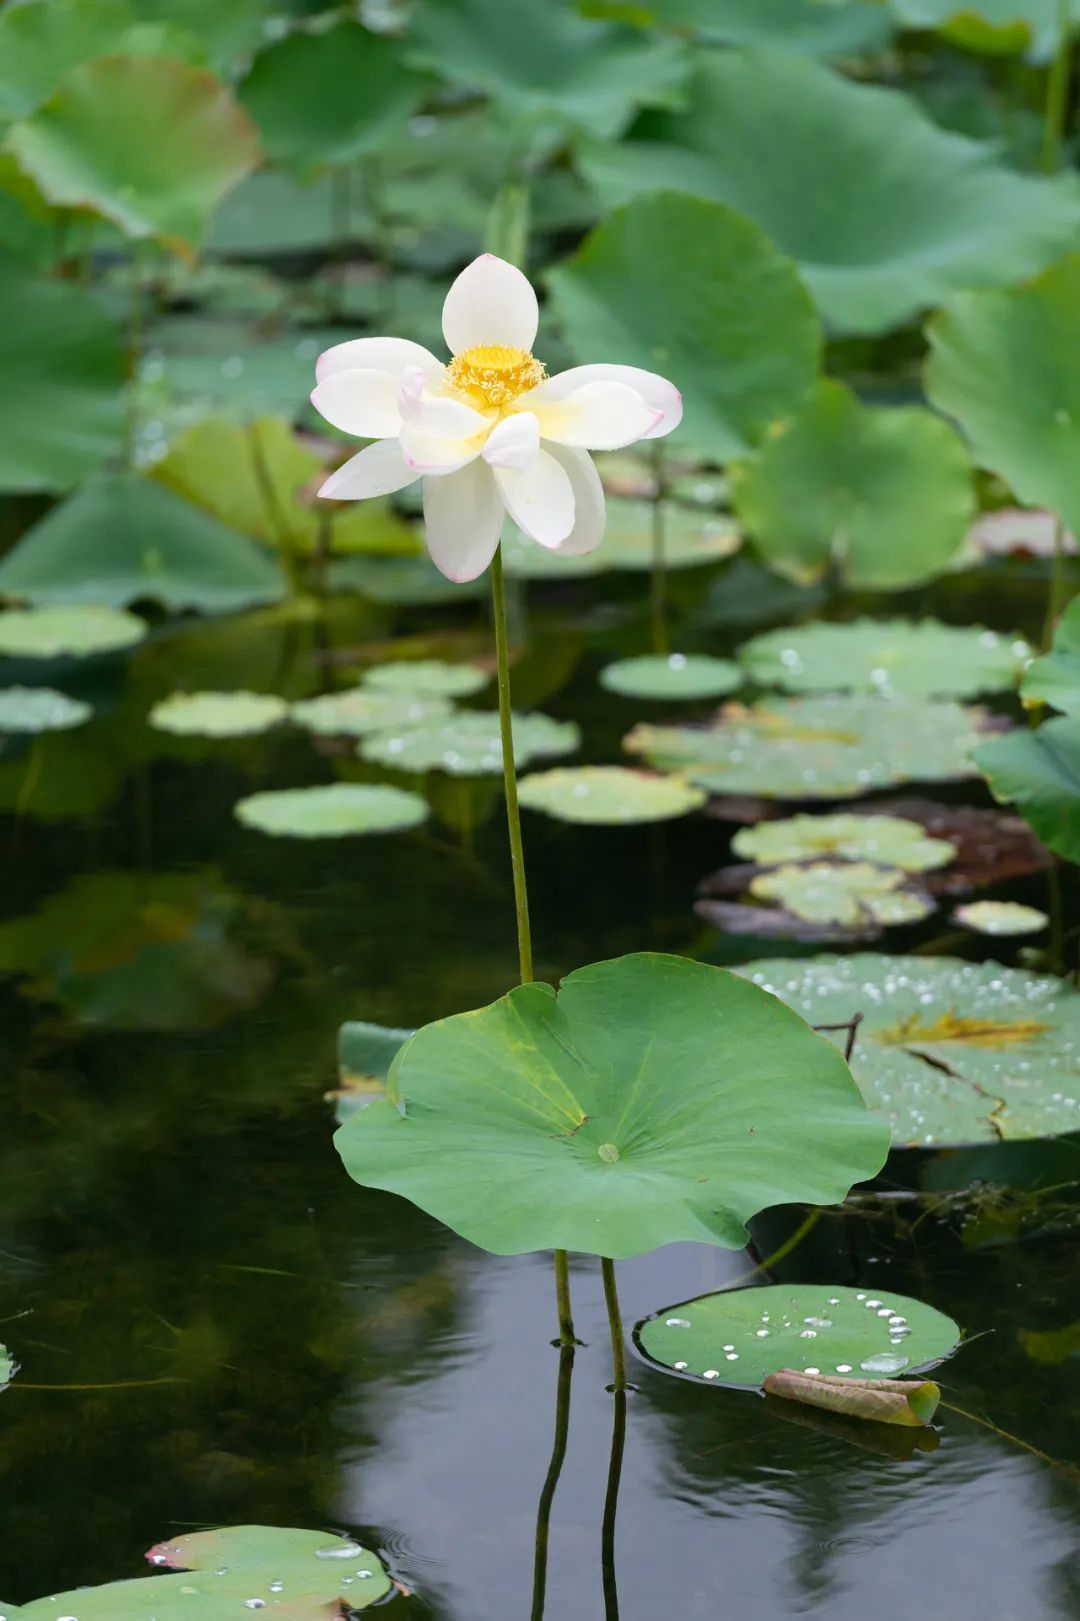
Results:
288 1348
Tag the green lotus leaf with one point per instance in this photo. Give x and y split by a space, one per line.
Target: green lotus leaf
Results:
807 27
882 495
817 748
952 1052
328 98
361 710
218 714
404 581
743 347
1002 364
672 676
590 75
225 32
649 1101
468 743
433 678
366 1051
82 629
740 1336
917 212
1000 917
890 841
334 811
240 1568
608 795
847 892
199 367
1055 678
40 709
1032 26
148 545
1039 773
62 412
148 143
924 658
690 539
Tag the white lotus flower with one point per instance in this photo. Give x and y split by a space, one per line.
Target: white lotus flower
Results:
489 433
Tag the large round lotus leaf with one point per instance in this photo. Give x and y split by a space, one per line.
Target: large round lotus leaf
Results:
739 1336
1039 773
643 290
1000 917
148 544
218 714
334 811
650 1101
1055 678
882 495
49 633
608 795
847 892
891 841
433 678
917 212
227 1574
225 32
468 743
40 709
827 747
951 1052
835 28
363 709
1003 364
61 409
329 97
148 143
672 676
887 655
546 62
1032 26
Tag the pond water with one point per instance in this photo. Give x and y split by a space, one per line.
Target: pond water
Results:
217 1327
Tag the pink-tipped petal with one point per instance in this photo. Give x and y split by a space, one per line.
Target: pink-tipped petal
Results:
377 354
598 416
490 302
463 518
380 469
363 403
540 499
659 395
513 442
590 511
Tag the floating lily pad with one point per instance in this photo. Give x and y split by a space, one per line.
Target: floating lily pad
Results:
307 1574
468 743
951 1052
218 714
332 811
739 1336
84 628
650 1101
40 709
891 841
842 892
817 748
365 1053
8 1367
1055 678
1039 772
433 678
691 538
925 658
1001 917
672 676
361 710
608 795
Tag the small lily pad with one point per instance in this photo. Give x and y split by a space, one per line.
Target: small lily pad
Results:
926 659
218 714
891 841
333 811
741 1336
952 1052
817 748
365 709
672 676
842 892
1000 917
50 633
40 709
8 1367
608 795
429 678
468 743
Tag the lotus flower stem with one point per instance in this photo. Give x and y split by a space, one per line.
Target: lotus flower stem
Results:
1056 105
658 575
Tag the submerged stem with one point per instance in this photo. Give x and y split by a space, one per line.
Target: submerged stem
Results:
551 1480
611 1506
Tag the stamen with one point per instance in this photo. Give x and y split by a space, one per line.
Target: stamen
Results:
494 374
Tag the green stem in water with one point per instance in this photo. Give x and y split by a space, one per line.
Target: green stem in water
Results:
611 1506
1056 105
618 1339
551 1481
658 575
